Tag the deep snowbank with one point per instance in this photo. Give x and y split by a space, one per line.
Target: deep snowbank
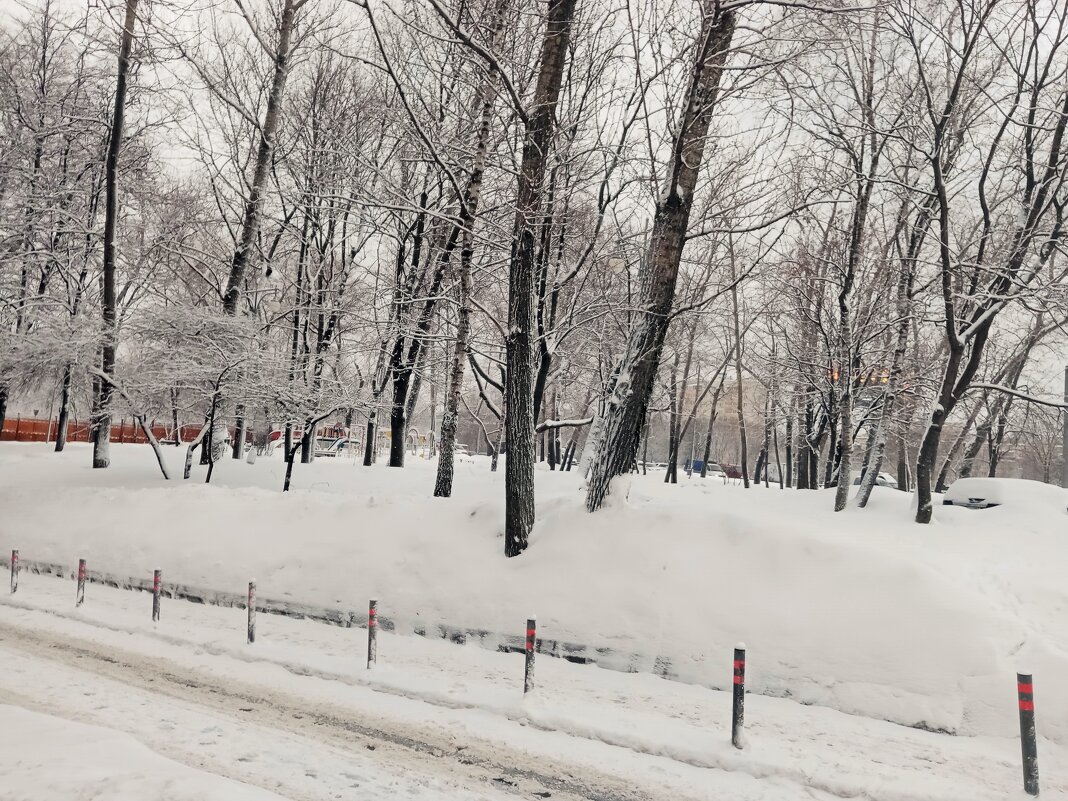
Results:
861 611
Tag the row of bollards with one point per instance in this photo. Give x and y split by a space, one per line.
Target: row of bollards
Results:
1024 682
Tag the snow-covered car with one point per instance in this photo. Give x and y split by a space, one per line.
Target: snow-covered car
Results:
881 480
986 493
342 446
715 471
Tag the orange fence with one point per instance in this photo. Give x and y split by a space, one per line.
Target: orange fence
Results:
27 429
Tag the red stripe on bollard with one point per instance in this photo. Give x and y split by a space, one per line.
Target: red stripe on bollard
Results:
531 644
738 706
1028 736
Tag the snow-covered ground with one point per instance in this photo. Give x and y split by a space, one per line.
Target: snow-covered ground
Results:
178 686
861 617
47 758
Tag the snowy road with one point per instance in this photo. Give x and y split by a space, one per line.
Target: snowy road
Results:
296 716
273 740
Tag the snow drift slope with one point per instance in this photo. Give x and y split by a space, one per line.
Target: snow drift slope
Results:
860 611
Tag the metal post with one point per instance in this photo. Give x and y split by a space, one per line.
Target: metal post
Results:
532 635
738 713
1028 744
1064 434
14 570
156 582
372 633
252 611
79 596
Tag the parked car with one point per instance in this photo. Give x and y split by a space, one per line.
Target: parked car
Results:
342 446
715 471
881 480
986 493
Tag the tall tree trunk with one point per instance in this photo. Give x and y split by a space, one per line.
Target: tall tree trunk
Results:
307 447
398 423
982 434
272 118
174 417
468 209
671 473
712 412
238 451
765 447
918 231
790 447
102 433
743 444
450 414
903 477
955 450
778 460
806 478
519 378
369 439
865 185
64 409
628 398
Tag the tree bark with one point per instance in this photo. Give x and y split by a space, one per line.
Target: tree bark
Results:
109 340
628 397
743 443
468 208
64 409
254 203
790 447
519 379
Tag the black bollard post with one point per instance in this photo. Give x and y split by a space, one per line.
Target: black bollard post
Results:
252 611
1028 737
79 596
14 570
738 713
156 582
372 633
532 634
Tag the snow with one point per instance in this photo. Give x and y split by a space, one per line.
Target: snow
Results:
661 739
1018 493
47 758
861 612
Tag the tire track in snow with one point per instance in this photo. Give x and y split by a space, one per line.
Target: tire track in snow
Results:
478 764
